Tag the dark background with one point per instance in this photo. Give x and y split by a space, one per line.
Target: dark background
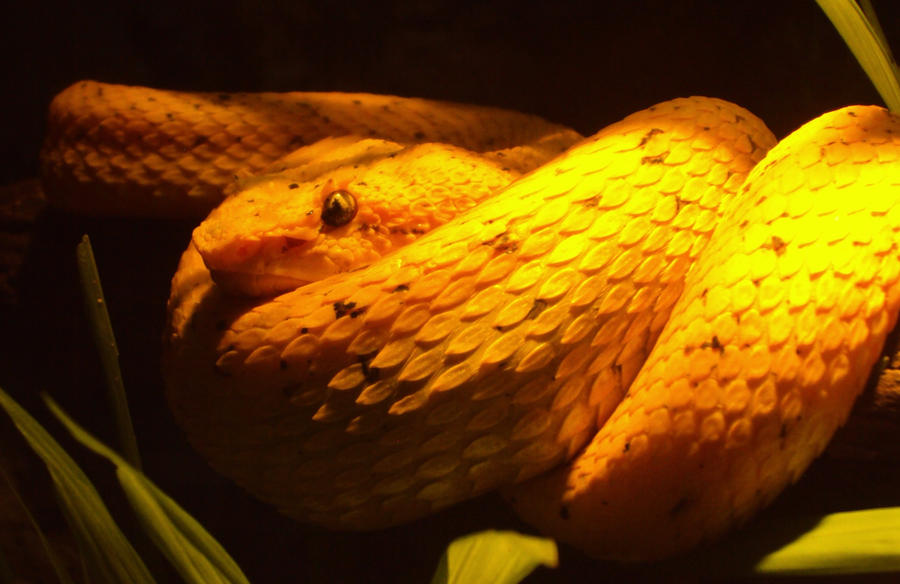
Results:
579 63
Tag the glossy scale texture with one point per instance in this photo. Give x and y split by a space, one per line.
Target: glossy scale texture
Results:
482 354
779 325
274 235
503 342
136 151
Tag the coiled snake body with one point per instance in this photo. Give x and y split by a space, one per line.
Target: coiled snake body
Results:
677 312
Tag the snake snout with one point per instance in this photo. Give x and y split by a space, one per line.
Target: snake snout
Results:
293 242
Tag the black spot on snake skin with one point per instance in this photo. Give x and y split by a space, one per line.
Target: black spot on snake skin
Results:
343 308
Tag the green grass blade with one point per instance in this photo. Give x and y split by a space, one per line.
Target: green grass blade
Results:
61 574
179 549
501 557
105 340
869 12
99 567
109 554
193 552
841 543
867 45
198 537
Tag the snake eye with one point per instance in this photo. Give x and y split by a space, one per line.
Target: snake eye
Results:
339 208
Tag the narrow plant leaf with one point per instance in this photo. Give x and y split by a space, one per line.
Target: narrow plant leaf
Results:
869 12
193 566
501 557
867 45
192 551
850 542
61 574
109 555
105 340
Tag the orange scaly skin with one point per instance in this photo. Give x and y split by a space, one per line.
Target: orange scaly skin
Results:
779 325
492 349
482 354
136 151
270 237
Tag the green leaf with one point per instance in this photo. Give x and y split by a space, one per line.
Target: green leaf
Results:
108 553
501 557
194 553
841 543
869 12
105 340
863 35
52 558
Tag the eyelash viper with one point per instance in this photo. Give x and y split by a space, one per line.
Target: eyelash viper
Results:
686 339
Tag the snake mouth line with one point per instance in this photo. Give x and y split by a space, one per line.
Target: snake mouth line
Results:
276 265
236 283
264 265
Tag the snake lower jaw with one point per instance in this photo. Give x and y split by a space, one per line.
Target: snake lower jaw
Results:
245 284
274 266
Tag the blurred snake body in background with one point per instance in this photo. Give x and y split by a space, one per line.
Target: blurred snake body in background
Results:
406 303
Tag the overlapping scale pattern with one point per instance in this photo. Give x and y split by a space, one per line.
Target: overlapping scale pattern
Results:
779 324
482 354
121 150
271 236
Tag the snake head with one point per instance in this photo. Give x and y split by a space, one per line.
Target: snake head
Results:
337 209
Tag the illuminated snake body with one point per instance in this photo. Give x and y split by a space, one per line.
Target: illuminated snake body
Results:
714 330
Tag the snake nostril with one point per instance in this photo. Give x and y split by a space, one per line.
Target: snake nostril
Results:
339 208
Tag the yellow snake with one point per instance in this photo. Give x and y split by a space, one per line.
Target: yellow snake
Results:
677 310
